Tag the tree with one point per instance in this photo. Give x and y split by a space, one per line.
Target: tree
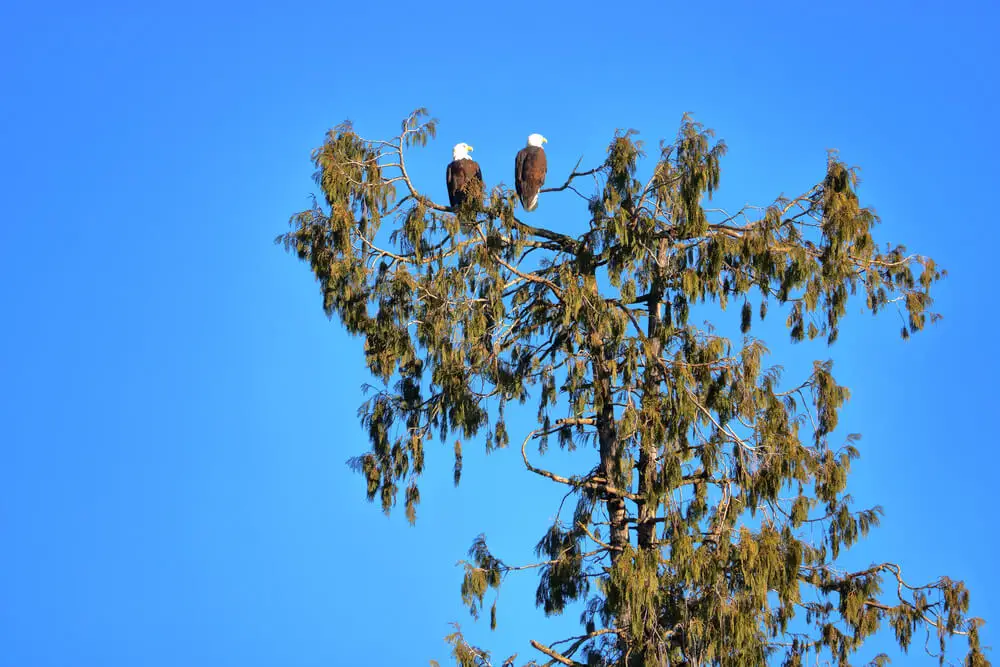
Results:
690 538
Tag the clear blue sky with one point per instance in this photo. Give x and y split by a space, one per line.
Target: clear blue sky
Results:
175 411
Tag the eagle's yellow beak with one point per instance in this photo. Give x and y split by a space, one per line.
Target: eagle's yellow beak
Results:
468 148
544 140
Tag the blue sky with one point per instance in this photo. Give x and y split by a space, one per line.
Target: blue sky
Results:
176 411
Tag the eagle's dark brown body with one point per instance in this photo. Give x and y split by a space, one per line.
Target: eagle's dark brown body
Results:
530 167
465 179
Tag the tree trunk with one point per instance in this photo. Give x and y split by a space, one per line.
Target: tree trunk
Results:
611 454
647 447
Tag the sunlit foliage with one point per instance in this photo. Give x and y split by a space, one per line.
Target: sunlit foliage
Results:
708 529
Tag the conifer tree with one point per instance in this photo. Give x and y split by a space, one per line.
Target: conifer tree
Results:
708 529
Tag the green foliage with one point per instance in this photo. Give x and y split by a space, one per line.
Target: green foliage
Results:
561 579
484 571
709 528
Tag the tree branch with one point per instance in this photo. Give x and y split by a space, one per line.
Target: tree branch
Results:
558 657
573 174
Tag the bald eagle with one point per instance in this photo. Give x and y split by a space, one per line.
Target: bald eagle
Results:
465 178
529 171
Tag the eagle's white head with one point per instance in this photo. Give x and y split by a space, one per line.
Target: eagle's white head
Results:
461 152
536 140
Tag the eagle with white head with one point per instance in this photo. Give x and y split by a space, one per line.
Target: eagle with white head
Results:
530 168
464 177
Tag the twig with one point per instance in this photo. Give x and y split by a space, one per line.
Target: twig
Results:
572 175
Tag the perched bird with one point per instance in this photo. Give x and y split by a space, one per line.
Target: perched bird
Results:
529 171
465 179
